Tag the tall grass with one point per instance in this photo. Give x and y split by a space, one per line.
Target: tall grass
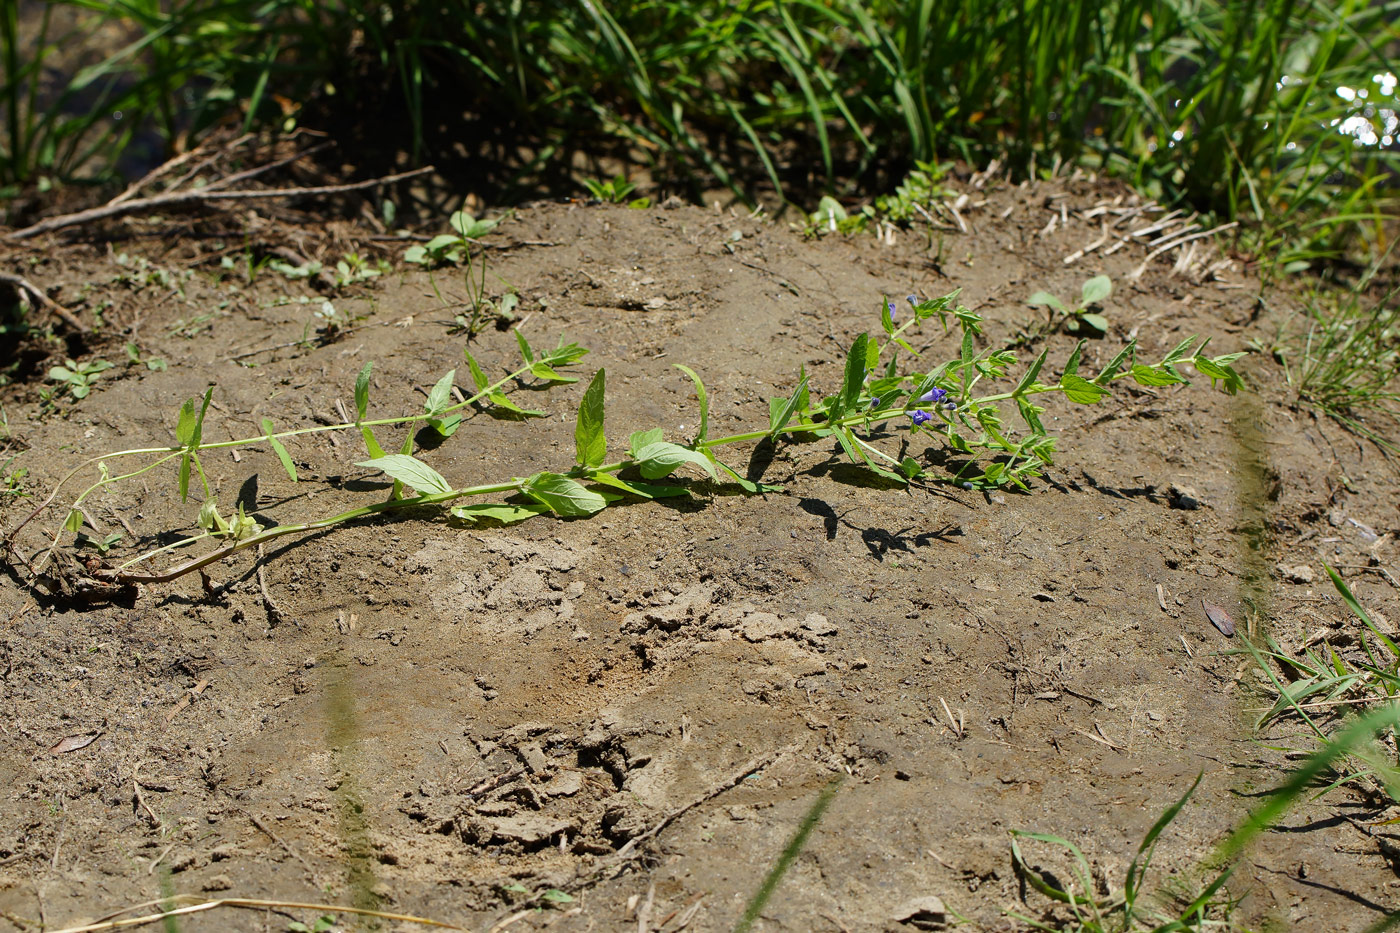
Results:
1228 106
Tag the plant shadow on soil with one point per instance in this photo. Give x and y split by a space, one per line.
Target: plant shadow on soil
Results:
449 721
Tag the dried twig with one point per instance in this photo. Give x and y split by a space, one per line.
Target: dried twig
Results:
32 292
198 904
181 198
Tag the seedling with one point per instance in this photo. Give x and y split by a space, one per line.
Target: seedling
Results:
13 480
1079 318
885 389
79 377
322 924
451 248
152 364
455 248
613 192
353 269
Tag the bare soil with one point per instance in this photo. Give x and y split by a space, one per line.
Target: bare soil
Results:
637 709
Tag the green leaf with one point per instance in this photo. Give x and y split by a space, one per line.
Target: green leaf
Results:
362 391
562 495
1095 290
74 521
640 439
501 400
478 377
1116 364
1078 389
410 471
1210 368
525 350
1040 299
704 402
590 444
416 254
545 371
779 416
555 896
278 449
446 427
848 444
471 228
662 458
1180 349
184 427
441 393
886 320
61 374
1029 378
969 352
1154 376
210 519
645 490
1031 415
439 243
856 363
1097 321
1072 364
497 512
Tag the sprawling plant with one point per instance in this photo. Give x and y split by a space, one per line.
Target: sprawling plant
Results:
885 402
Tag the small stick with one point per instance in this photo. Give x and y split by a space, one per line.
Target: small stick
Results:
141 799
175 199
26 287
198 905
281 842
274 611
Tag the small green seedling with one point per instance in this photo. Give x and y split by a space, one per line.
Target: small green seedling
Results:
323 923
79 377
12 483
1080 317
613 192
451 248
353 269
101 545
152 363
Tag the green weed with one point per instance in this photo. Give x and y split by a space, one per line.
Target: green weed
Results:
1279 111
613 192
1348 364
1323 685
1078 316
152 363
78 378
1181 904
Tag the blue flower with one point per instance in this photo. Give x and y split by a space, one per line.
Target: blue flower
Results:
940 398
935 395
913 300
894 310
920 417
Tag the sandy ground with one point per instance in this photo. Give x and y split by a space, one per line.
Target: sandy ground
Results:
617 722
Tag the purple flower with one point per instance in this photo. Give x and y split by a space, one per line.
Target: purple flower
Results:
920 417
935 395
913 300
940 398
894 310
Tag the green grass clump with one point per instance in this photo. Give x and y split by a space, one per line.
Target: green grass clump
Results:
1231 107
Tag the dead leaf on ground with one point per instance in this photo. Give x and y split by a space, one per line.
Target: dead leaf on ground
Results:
1219 618
73 743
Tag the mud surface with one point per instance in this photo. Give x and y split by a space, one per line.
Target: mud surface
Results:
637 709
